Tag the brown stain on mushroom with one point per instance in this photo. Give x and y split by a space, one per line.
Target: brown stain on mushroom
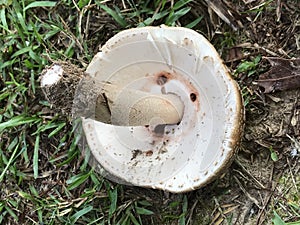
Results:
161 80
187 41
208 58
163 77
149 153
196 180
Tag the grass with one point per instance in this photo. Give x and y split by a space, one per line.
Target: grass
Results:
44 178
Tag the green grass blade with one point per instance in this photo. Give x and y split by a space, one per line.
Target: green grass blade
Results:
176 15
21 51
32 82
277 219
57 129
10 159
194 23
44 127
116 16
22 23
35 57
40 4
40 216
133 219
113 197
53 30
77 180
17 121
3 19
143 211
163 3
184 211
82 3
150 20
80 213
180 4
293 223
4 95
24 152
25 195
36 157
11 213
144 203
7 64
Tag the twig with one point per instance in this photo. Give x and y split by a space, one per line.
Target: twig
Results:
292 176
216 219
189 221
278 10
71 35
87 7
77 8
124 5
254 200
249 174
266 200
223 12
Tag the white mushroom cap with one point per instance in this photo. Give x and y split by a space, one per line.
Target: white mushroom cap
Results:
176 158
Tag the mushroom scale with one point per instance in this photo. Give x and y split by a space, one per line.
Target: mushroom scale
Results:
173 157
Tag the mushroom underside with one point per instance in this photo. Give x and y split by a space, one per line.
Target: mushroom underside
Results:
158 109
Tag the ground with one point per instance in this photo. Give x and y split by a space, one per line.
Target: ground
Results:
44 178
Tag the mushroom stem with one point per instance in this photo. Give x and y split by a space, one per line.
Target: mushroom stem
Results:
131 107
73 93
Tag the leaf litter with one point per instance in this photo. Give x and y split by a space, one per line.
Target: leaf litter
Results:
283 75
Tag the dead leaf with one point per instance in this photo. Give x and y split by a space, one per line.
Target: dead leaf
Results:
283 75
234 54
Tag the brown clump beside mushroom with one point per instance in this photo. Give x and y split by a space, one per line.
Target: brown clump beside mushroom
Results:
74 94
60 93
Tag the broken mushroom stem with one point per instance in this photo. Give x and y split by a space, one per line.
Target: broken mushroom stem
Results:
64 82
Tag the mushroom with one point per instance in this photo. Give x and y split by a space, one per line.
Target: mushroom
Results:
171 116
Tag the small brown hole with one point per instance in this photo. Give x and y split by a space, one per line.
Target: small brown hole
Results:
193 97
149 153
161 80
